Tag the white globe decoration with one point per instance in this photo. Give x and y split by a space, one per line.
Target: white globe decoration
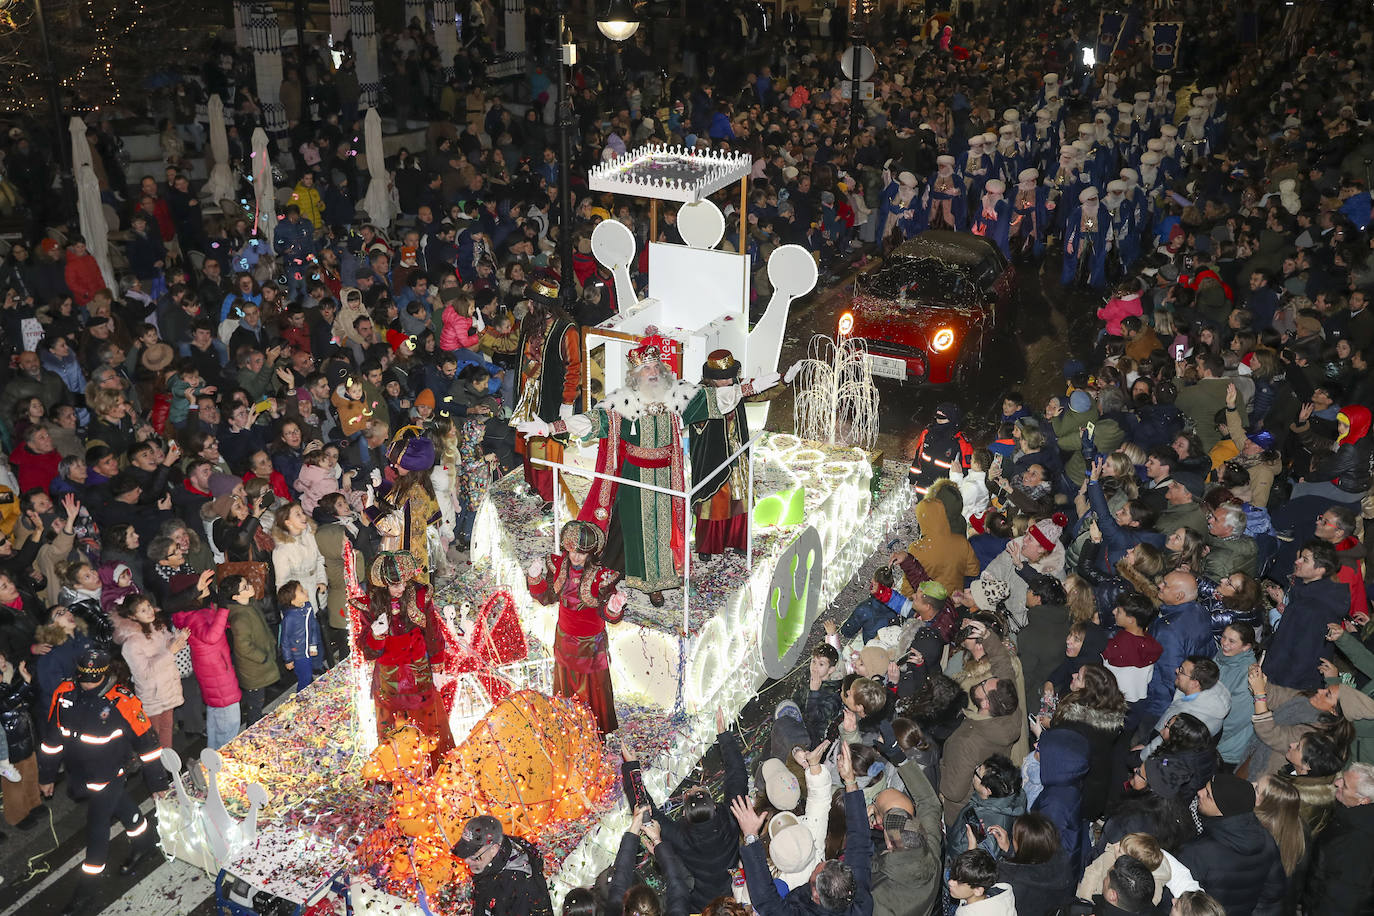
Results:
701 224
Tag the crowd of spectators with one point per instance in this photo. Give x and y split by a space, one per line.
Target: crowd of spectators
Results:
1125 668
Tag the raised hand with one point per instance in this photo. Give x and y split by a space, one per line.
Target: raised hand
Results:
750 821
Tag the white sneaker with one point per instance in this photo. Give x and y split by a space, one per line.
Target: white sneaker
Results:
8 771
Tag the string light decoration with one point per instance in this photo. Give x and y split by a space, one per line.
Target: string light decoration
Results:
836 401
103 52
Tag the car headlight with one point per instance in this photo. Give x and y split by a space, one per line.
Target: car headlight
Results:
943 340
846 324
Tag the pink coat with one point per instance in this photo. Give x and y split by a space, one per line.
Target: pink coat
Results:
456 333
313 484
156 681
1119 307
210 654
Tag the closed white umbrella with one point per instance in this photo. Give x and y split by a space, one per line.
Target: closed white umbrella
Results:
380 207
264 195
221 183
94 227
81 150
90 209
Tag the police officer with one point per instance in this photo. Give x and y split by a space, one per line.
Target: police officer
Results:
95 726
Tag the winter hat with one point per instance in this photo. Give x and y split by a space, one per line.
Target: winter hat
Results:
411 451
988 592
1232 794
425 398
1263 438
790 845
1174 777
875 658
1047 531
779 784
1080 402
827 198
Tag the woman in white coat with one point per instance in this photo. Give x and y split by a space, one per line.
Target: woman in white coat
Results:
297 556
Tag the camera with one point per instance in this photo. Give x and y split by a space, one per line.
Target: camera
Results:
968 632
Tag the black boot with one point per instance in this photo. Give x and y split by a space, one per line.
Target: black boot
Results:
138 858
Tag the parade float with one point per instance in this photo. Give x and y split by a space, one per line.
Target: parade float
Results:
307 805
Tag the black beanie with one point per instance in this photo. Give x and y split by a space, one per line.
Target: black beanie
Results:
1232 794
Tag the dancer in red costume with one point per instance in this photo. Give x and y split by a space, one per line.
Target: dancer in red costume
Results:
401 634
587 598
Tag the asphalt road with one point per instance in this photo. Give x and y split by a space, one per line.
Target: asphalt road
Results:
1025 352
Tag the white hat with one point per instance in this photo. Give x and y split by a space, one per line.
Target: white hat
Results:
996 186
648 122
791 847
1142 96
1068 150
923 126
1082 146
1101 117
1085 130
1124 108
790 172
1007 129
1011 116
1150 158
779 784
989 137
1197 113
1130 175
1288 184
1116 185
1209 90
988 592
907 179
1028 175
944 160
1043 114
1155 145
1051 79
1087 194
975 140
1169 131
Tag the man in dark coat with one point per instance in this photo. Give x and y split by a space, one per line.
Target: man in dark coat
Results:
1339 880
1315 599
507 872
1235 859
1183 628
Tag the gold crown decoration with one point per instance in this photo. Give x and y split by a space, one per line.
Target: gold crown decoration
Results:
544 288
641 355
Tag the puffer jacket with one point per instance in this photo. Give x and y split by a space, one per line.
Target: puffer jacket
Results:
1349 466
1065 756
150 660
1237 862
211 657
1104 730
16 699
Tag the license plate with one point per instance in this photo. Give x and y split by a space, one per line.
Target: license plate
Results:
887 367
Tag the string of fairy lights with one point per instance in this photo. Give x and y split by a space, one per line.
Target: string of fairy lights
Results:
96 48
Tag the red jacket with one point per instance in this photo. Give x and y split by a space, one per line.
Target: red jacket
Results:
210 656
34 470
83 277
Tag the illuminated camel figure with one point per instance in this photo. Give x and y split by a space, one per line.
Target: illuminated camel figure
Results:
698 294
203 833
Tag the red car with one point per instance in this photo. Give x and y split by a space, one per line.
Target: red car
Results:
928 309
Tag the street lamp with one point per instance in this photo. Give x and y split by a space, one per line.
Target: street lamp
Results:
619 21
